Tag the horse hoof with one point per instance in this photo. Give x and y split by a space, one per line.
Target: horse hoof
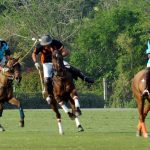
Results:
145 135
138 134
1 128
61 133
21 123
80 128
71 116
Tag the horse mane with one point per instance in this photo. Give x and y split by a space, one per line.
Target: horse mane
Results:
14 70
57 60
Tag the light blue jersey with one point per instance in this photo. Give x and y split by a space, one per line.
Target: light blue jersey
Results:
148 52
3 48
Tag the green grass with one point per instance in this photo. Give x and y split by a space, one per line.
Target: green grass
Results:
105 129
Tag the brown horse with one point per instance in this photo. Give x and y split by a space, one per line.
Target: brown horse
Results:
138 86
6 88
64 91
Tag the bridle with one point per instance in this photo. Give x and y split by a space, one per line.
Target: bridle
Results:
14 70
58 65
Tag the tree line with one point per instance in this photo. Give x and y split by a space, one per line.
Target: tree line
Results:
107 39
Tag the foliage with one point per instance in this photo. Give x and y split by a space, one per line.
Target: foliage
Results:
112 43
106 38
30 83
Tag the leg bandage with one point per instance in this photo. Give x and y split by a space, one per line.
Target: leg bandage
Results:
66 110
75 98
77 121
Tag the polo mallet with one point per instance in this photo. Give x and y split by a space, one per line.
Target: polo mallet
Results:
40 73
41 77
42 84
33 39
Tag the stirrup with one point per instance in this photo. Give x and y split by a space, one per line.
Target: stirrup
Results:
1 128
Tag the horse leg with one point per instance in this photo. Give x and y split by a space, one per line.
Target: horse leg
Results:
146 110
77 121
58 116
1 112
141 124
1 109
17 103
66 110
141 128
78 125
76 101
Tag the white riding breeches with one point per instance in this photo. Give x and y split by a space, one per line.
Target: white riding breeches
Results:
48 69
66 64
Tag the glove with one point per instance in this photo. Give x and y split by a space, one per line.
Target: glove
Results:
5 69
37 65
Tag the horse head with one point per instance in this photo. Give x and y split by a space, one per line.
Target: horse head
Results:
57 60
14 69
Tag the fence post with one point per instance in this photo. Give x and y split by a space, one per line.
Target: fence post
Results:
105 92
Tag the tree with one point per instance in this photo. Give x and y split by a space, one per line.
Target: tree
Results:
21 20
113 39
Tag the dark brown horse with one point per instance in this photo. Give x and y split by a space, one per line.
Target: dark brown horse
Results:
138 86
64 91
6 88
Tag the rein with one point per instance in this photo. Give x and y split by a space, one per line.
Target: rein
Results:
61 73
58 66
10 74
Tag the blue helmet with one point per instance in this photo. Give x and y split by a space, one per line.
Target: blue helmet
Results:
0 42
3 44
148 50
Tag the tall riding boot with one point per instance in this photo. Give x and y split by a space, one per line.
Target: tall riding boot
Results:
147 82
77 73
48 88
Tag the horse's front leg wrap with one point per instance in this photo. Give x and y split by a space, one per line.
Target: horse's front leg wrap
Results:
64 107
60 127
77 106
78 124
76 101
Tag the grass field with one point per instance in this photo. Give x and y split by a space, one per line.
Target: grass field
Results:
105 129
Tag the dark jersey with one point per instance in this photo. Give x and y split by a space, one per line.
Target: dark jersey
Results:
46 55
